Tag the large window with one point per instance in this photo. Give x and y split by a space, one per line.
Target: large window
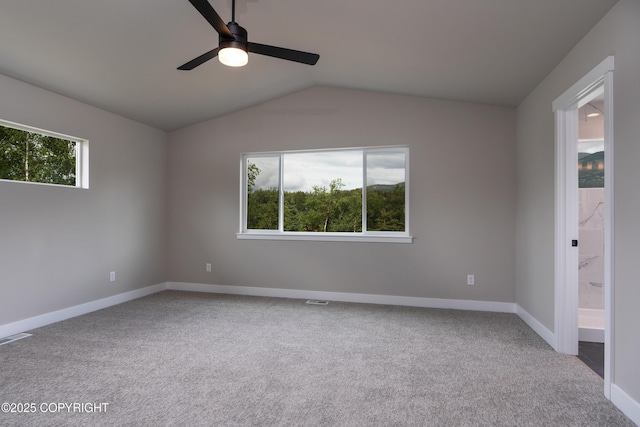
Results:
347 194
33 155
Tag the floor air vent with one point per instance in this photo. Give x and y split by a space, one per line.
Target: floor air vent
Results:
317 302
13 338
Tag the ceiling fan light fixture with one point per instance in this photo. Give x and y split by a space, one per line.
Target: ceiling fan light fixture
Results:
233 57
233 45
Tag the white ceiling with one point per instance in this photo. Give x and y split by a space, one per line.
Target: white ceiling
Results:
122 55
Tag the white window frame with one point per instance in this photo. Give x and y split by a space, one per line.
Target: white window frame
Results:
364 236
82 154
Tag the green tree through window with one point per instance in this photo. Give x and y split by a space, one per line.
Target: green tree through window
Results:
262 194
314 203
324 210
34 157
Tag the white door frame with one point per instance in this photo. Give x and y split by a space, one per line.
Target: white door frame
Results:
565 108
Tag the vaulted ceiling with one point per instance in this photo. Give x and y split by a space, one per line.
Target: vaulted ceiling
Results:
122 55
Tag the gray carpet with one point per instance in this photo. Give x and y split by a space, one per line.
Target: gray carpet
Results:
180 358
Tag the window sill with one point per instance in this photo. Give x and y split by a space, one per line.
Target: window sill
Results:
46 184
328 237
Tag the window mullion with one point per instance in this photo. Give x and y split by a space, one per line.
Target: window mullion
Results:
281 194
79 172
364 191
244 193
406 191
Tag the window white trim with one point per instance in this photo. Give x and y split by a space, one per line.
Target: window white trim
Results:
82 162
82 154
325 237
364 236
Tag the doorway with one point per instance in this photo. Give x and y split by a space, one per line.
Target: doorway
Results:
591 208
596 85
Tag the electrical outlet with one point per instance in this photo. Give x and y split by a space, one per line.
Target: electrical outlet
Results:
471 279
208 266
112 276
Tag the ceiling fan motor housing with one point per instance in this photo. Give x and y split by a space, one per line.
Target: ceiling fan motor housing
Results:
240 37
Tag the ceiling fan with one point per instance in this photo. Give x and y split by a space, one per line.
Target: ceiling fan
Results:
233 46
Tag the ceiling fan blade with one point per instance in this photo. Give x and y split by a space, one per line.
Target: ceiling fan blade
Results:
206 10
282 53
199 60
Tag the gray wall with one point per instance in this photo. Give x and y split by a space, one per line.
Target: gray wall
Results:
616 34
57 244
462 197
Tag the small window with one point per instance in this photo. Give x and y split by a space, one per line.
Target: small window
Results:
357 194
37 156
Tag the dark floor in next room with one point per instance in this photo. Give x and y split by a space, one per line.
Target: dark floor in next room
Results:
592 354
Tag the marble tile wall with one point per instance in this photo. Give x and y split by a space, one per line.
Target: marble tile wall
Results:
591 236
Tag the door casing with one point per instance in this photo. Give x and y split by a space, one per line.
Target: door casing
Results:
565 108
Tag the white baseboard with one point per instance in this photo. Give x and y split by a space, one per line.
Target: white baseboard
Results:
625 403
77 310
591 335
67 313
538 327
501 307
